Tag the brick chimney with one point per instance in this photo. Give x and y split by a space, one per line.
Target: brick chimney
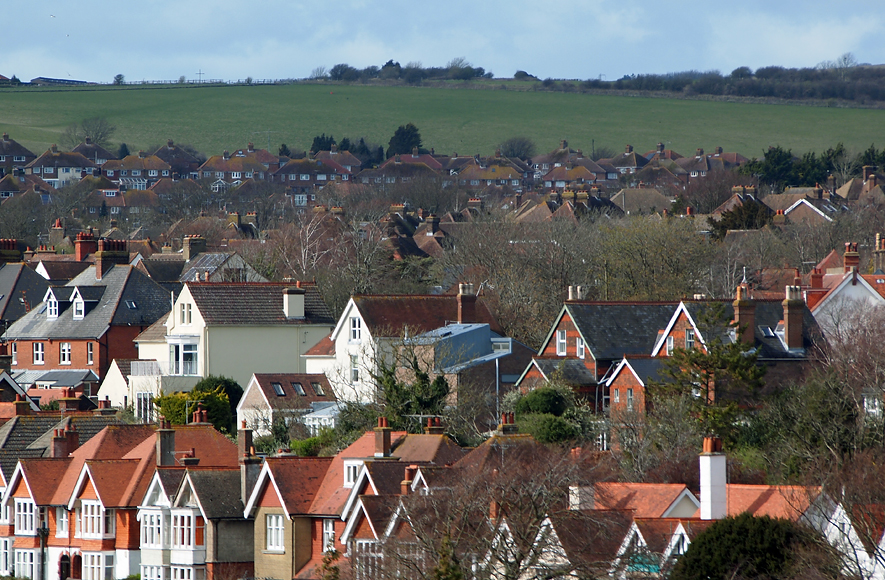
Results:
84 244
868 170
64 442
432 224
851 257
293 301
191 246
508 424
250 464
109 252
714 490
466 304
406 483
434 426
22 406
68 401
879 254
794 312
382 438
745 314
165 444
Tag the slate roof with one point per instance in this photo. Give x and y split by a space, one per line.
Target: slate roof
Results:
573 371
614 329
128 298
93 152
591 542
291 399
392 313
205 262
20 288
218 491
641 200
138 161
13 148
647 368
61 159
162 270
255 304
156 332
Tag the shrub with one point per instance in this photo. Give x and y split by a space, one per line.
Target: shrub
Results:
551 429
544 400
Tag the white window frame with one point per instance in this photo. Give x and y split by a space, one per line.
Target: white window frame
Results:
25 564
305 177
7 560
95 521
561 343
351 472
98 566
13 351
354 369
184 530
79 309
38 350
689 339
154 572
617 396
579 347
185 312
629 399
152 529
275 533
183 359
90 353
144 406
62 522
52 308
152 173
64 353
355 329
25 517
669 346
328 534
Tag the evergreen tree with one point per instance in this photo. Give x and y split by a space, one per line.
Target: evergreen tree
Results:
284 151
322 143
750 215
404 140
123 151
447 568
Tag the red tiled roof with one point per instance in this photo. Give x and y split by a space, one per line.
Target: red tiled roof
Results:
298 480
291 399
387 314
325 347
649 500
776 501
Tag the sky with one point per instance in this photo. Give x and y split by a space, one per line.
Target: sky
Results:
570 39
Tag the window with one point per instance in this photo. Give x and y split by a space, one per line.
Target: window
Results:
61 522
38 353
185 314
165 173
52 308
19 158
183 359
188 573
25 564
152 173
617 395
579 347
689 339
354 369
299 389
124 172
236 175
187 530
328 535
152 530
629 399
669 345
305 177
318 389
110 173
14 352
219 174
136 173
115 210
321 177
90 358
95 521
64 353
97 566
278 389
560 342
355 328
153 573
24 517
144 407
79 309
275 532
351 471
6 556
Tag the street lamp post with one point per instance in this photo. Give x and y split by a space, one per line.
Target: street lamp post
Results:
43 532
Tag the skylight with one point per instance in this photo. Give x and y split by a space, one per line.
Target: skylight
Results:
318 389
278 389
299 389
131 305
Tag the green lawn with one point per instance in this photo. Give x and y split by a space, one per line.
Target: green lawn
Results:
467 121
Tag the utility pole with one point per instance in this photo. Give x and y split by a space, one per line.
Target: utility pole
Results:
199 74
268 137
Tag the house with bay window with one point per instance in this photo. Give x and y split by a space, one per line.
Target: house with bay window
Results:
92 320
230 329
81 503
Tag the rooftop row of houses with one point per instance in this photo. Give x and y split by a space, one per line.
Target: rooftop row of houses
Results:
184 502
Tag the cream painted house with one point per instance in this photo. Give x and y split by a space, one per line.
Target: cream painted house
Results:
227 329
373 326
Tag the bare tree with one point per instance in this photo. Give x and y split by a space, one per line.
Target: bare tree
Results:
98 129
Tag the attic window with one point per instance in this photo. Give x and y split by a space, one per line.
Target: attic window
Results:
79 309
278 389
52 308
131 305
299 389
878 281
767 332
318 389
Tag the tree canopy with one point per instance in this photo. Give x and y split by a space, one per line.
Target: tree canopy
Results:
404 140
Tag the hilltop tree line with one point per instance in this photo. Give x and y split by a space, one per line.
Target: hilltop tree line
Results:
412 73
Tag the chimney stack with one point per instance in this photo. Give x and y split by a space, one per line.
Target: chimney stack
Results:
406 484
191 246
714 490
250 464
868 170
745 314
466 304
165 444
84 244
508 424
293 301
794 312
851 257
433 224
22 406
69 401
434 426
879 254
382 438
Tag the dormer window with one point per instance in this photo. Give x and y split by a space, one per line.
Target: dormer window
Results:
79 309
52 308
351 472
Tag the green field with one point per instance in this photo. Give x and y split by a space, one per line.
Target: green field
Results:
467 121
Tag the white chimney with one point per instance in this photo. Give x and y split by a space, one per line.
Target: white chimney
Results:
293 301
714 494
581 497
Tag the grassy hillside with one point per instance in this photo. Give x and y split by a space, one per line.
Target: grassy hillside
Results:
467 121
